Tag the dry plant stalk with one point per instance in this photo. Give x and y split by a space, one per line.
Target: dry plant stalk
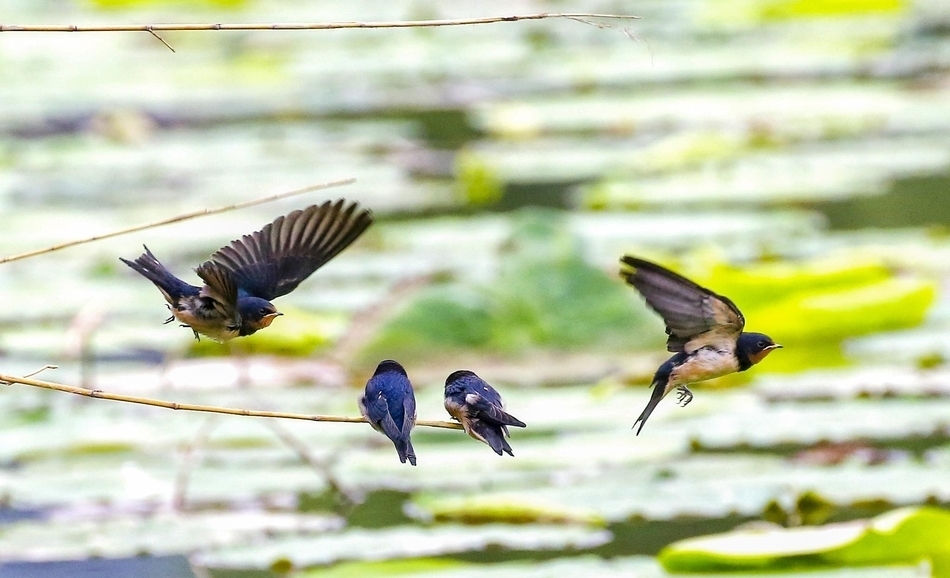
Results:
99 394
154 28
178 219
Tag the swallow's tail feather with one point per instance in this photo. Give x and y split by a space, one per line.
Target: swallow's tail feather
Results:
496 439
405 450
171 287
658 390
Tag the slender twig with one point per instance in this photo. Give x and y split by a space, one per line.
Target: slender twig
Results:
153 28
160 39
323 467
178 219
98 393
190 458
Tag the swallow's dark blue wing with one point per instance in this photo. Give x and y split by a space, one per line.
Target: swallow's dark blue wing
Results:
694 315
491 412
220 288
378 413
481 400
274 260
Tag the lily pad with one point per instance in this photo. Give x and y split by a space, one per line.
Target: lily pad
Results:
906 536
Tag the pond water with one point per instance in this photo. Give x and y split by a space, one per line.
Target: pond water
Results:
792 157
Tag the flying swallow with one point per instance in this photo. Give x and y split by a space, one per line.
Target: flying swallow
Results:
389 405
704 329
241 279
480 410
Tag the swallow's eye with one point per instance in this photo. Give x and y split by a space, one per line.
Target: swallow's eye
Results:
263 312
762 344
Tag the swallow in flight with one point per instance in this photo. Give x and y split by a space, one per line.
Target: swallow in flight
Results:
241 279
389 405
480 410
704 329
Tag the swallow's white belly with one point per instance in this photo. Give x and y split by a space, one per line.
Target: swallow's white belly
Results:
705 363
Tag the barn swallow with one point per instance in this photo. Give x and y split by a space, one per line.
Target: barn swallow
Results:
704 329
389 405
480 410
242 278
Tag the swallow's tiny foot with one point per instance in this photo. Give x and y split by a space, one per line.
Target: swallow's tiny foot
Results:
684 396
169 320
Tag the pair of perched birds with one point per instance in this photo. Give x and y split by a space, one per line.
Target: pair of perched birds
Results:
389 405
241 279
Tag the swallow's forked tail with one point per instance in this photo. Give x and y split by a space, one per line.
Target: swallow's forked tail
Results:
405 451
495 438
171 287
658 389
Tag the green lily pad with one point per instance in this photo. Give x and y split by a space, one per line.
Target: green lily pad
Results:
905 536
829 316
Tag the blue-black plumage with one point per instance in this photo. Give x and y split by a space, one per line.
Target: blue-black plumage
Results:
480 410
389 405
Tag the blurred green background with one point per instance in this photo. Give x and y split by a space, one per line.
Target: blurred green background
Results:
791 154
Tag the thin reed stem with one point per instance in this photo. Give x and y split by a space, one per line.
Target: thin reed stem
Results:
99 394
178 219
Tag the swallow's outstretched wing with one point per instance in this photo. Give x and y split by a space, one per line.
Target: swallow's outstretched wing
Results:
274 260
694 315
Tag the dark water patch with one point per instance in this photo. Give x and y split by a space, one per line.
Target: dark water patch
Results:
919 201
380 509
139 566
11 515
443 128
870 452
648 537
555 194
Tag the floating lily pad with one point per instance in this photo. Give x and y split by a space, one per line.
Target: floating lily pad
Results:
907 536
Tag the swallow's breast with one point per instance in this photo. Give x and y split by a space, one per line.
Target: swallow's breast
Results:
705 363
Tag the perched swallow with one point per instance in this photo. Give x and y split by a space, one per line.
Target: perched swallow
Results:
705 332
390 406
241 279
480 410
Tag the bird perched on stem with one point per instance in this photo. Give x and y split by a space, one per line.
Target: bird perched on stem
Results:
242 278
479 408
389 405
704 329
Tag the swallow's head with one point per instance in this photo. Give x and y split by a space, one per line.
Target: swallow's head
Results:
756 346
389 365
256 314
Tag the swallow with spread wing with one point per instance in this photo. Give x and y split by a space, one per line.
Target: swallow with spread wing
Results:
704 329
242 278
389 405
480 410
